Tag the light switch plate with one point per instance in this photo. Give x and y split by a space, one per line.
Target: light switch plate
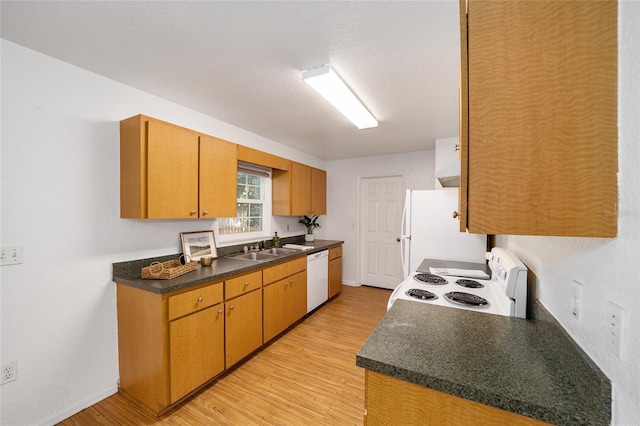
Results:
11 255
615 328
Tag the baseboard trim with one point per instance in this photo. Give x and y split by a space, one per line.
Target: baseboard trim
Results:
79 406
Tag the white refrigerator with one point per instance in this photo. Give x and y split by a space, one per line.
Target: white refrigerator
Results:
430 231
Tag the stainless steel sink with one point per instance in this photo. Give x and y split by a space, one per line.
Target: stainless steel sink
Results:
281 250
265 255
253 256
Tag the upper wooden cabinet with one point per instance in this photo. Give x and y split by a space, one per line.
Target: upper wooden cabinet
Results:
167 171
218 177
539 118
301 191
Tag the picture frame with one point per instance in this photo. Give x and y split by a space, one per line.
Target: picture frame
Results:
198 244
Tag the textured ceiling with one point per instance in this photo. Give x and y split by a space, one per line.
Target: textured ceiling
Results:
241 62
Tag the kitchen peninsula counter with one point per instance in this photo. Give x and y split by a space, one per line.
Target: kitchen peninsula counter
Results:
527 367
129 273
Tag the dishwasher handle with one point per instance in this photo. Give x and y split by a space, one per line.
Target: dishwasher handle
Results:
318 255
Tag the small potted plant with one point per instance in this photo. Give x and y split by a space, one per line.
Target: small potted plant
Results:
310 223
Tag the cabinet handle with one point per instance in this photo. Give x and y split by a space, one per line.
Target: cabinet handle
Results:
200 299
231 308
456 214
456 148
204 213
246 284
291 282
193 212
286 284
220 312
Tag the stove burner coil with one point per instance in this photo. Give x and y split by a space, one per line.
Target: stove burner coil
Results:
421 294
430 279
465 299
469 283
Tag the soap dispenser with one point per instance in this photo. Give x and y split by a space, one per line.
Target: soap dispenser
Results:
276 240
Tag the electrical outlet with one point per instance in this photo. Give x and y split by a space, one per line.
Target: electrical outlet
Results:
615 320
11 255
9 372
576 299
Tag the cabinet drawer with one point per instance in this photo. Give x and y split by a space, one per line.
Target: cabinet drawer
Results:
335 252
194 300
242 285
283 270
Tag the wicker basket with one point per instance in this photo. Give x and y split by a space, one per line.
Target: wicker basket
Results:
167 270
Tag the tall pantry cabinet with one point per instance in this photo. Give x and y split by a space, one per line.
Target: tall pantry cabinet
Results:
539 117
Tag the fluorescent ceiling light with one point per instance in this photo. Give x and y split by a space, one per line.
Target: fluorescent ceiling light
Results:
328 84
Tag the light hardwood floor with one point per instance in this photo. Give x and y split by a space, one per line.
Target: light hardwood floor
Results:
307 376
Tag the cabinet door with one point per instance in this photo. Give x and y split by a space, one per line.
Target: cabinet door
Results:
542 118
243 326
295 297
300 189
218 177
274 309
196 350
335 276
318 191
172 171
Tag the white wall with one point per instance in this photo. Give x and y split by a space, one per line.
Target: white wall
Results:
417 170
609 269
60 200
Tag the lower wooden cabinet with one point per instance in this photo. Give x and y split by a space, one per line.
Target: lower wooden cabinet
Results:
243 326
335 271
391 401
196 350
171 344
285 302
285 296
168 344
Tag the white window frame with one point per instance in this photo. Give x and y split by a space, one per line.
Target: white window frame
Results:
250 237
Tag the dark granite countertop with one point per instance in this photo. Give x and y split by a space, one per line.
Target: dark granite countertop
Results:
128 273
523 366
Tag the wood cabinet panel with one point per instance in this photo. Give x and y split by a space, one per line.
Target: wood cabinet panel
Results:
392 401
142 346
194 300
300 189
540 149
254 156
172 176
285 302
296 297
218 177
243 326
243 284
335 252
274 309
335 276
283 270
196 350
318 191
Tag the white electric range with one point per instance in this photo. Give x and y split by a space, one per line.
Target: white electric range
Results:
502 293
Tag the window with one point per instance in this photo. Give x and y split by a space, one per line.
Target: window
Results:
254 206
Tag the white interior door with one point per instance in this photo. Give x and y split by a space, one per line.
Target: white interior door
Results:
381 201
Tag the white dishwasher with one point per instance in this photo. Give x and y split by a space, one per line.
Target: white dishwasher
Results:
317 279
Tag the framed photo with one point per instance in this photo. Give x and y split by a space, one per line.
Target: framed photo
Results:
198 244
